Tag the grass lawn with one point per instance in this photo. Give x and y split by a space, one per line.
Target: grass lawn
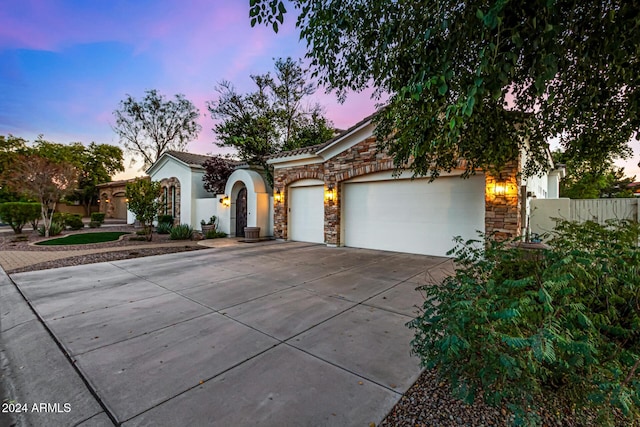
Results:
84 238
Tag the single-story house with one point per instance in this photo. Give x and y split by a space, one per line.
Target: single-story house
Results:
343 193
111 198
246 202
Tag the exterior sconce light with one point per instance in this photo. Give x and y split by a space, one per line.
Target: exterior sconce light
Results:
500 188
225 201
107 200
99 200
329 193
126 200
277 197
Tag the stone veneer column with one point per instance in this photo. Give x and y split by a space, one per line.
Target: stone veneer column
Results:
502 213
280 209
332 216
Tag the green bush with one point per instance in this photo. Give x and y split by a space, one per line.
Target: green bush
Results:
94 224
98 217
513 326
214 234
59 218
18 214
165 219
54 229
181 232
164 228
74 222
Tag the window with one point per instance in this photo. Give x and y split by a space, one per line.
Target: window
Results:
173 201
166 200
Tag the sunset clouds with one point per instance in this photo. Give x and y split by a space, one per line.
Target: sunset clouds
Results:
66 64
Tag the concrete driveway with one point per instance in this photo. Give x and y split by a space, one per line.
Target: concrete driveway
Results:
274 334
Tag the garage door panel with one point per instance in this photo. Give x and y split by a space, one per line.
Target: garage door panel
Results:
306 214
413 216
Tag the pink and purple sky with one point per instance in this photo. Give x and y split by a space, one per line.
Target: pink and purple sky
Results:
66 64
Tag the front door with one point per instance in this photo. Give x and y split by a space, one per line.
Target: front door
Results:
241 212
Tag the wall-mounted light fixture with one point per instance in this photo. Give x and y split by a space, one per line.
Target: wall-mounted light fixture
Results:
99 200
277 197
225 201
330 193
107 200
126 200
500 188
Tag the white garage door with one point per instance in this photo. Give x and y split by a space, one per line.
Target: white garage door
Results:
413 216
306 214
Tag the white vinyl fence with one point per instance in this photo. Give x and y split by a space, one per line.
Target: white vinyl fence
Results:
543 211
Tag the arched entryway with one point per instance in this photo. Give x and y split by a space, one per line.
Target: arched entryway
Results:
241 212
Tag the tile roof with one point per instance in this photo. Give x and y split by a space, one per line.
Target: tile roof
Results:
312 149
189 158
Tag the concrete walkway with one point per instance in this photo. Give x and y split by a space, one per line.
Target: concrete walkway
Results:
277 334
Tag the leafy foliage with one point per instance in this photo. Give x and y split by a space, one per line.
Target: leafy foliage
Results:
273 118
215 234
54 229
587 181
10 148
511 325
98 217
18 214
145 200
165 219
74 222
44 180
480 79
181 232
216 173
164 227
149 127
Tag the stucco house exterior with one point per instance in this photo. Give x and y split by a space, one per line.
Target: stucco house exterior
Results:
342 193
246 202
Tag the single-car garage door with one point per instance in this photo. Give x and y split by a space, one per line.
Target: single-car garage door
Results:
413 216
306 213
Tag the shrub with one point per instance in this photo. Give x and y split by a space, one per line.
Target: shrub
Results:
165 219
512 327
213 234
54 229
74 222
98 217
181 232
94 224
59 218
164 228
17 214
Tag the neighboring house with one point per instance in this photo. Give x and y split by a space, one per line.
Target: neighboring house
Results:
247 200
111 199
343 193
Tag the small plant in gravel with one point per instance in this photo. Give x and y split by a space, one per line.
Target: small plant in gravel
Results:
181 232
98 217
214 234
163 228
54 229
512 327
74 222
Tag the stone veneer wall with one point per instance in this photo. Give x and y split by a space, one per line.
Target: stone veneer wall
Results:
168 183
502 213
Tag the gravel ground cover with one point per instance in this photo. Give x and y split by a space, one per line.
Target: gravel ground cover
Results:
130 248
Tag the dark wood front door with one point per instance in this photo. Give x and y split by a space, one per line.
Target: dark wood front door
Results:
241 212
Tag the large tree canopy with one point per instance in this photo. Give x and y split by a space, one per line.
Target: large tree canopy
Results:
276 116
153 125
476 79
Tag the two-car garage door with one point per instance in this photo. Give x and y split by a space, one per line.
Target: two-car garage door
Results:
400 215
412 216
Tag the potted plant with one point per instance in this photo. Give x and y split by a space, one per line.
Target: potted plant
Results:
209 226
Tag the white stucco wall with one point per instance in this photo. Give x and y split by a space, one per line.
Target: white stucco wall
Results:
259 201
204 208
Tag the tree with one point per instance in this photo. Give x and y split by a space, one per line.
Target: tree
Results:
44 180
95 163
480 79
145 200
18 214
587 181
149 127
275 117
217 172
10 148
